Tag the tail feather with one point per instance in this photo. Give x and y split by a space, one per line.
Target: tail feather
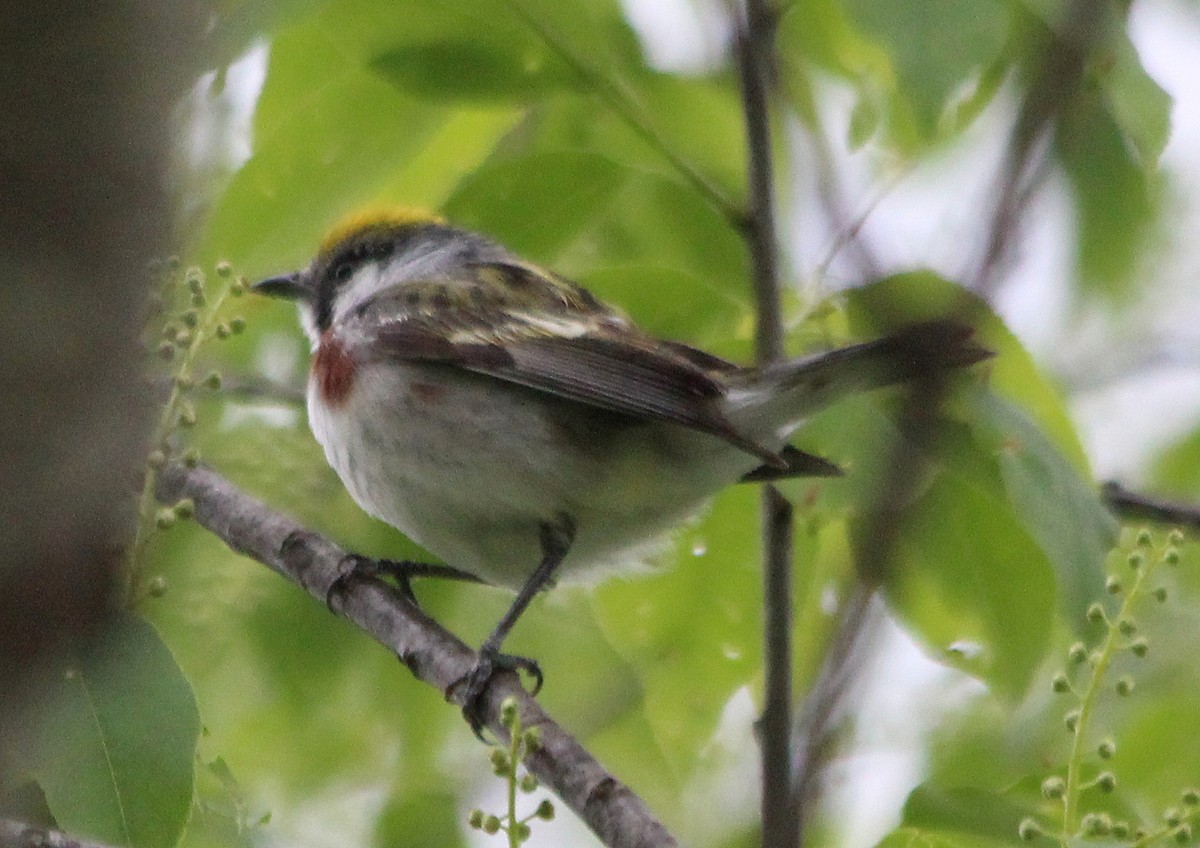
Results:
764 402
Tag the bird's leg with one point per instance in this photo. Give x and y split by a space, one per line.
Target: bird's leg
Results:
555 542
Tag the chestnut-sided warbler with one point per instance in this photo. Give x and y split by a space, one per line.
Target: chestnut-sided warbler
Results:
504 418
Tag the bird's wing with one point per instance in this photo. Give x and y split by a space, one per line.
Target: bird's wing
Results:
547 334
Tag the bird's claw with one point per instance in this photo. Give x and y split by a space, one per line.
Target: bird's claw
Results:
356 565
473 685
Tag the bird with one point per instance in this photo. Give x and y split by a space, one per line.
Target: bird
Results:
514 425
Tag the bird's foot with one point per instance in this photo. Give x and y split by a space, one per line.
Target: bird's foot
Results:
472 686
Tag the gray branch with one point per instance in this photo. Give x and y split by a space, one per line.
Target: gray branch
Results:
434 655
18 834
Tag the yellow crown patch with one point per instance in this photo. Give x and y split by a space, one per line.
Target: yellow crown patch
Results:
379 217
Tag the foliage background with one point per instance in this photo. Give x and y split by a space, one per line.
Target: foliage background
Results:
589 145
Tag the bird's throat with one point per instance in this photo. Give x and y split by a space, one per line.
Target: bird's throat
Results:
333 369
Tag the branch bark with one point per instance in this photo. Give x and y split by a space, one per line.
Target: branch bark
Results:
1139 507
18 834
434 656
755 43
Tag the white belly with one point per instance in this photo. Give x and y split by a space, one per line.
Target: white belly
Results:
470 471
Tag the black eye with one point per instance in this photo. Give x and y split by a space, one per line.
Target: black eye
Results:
343 271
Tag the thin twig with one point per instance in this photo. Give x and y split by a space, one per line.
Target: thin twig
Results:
435 656
755 45
1139 507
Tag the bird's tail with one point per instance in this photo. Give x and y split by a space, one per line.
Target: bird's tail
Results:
769 402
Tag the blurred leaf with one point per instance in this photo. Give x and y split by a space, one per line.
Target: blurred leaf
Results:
1060 509
902 299
1115 198
936 47
118 740
471 71
1139 105
971 583
691 632
1177 469
421 818
521 201
965 811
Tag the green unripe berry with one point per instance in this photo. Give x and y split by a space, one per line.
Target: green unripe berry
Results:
1071 720
532 740
475 819
157 586
1106 749
190 318
1060 683
184 509
1077 653
1140 647
224 269
156 460
1106 781
508 712
213 380
1095 613
521 831
1124 686
1191 797
187 415
545 810
183 338
1171 557
239 287
490 824
1182 834
237 324
1120 829
1127 626
1028 830
1053 788
1136 560
173 262
1160 594
1175 537
1096 824
191 457
198 299
500 761
1113 585
528 783
1172 816
221 330
164 518
166 351
1144 539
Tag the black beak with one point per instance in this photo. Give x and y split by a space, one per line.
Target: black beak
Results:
288 286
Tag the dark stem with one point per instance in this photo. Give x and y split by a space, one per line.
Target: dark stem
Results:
1138 507
755 45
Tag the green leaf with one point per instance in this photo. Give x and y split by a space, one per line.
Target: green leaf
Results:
936 47
1139 105
963 810
1059 508
523 202
691 632
971 583
1115 198
470 71
902 299
118 740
